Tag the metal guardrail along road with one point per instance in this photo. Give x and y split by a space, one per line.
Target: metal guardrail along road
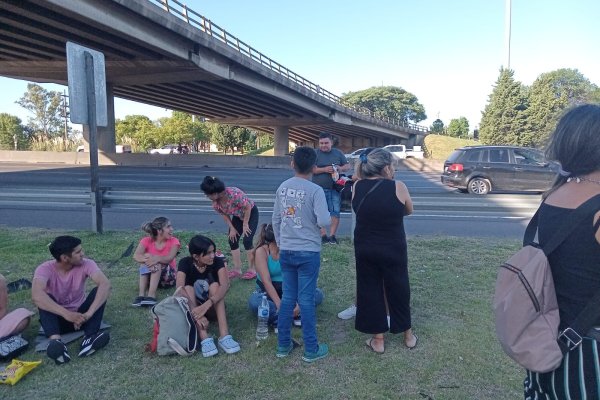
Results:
498 206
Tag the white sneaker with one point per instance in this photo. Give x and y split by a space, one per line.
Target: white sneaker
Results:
348 313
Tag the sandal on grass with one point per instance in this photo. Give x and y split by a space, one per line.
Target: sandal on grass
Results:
369 344
413 346
234 274
249 275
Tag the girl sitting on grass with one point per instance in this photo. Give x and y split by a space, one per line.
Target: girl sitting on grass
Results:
269 279
203 276
156 255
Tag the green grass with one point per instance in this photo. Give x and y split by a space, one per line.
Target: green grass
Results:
439 147
458 356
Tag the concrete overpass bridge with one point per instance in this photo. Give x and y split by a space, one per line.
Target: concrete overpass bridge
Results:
159 52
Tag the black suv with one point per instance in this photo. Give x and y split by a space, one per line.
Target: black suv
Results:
480 169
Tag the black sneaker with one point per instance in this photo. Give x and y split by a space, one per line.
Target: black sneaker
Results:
148 301
138 301
324 239
57 351
94 342
333 240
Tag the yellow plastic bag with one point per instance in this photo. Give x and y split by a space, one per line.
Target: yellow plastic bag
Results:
16 370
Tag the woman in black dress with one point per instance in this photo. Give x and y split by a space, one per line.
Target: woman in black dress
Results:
575 263
380 204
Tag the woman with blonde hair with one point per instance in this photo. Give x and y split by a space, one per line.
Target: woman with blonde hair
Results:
380 204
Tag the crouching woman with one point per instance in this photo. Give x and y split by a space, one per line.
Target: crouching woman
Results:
205 281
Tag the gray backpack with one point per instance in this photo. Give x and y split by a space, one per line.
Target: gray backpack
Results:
525 305
177 329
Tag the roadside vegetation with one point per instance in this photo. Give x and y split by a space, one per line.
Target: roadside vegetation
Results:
457 357
439 147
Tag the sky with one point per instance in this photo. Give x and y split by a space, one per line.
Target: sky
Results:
448 53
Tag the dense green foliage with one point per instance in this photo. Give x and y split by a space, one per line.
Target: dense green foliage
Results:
458 127
526 116
46 109
437 127
503 119
181 128
230 137
388 101
11 129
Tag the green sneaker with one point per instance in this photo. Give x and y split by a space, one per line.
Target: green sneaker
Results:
321 353
284 351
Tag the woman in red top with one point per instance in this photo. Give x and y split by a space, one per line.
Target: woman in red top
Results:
241 216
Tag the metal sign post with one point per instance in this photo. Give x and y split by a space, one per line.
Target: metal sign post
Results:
87 89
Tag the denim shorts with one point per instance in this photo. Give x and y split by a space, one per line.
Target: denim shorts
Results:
334 201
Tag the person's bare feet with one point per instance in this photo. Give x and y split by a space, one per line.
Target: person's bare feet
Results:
376 344
410 339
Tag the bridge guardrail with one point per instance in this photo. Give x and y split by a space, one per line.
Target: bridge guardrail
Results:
205 25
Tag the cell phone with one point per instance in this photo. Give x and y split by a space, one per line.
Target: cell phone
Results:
144 269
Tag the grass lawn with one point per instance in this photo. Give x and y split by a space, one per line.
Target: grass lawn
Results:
439 147
457 357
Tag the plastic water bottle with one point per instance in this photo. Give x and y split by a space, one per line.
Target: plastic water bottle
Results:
262 329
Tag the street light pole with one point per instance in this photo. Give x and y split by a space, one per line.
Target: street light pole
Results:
507 29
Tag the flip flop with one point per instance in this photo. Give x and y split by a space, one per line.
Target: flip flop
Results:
369 344
416 342
234 274
249 275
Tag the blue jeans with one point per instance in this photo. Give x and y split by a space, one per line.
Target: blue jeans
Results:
300 270
256 298
334 202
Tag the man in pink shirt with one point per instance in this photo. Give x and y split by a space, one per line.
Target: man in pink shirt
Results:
59 292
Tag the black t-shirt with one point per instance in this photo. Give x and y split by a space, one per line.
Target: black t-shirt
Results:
211 274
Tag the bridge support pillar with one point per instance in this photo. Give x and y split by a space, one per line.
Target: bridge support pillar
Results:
282 138
106 134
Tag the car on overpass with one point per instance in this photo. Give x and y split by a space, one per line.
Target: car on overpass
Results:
170 149
481 169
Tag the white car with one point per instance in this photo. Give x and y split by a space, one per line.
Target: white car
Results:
166 149
355 154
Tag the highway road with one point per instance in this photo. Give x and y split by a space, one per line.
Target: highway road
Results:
57 196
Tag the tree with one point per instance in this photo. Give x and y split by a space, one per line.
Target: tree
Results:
46 108
12 131
388 101
504 119
458 127
136 130
230 137
437 127
550 94
177 129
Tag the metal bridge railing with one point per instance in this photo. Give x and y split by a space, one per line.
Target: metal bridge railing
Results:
205 25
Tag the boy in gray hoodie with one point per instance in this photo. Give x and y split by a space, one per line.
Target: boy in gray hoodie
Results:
299 212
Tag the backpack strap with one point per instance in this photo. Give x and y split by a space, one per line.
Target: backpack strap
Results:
571 337
379 182
590 205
